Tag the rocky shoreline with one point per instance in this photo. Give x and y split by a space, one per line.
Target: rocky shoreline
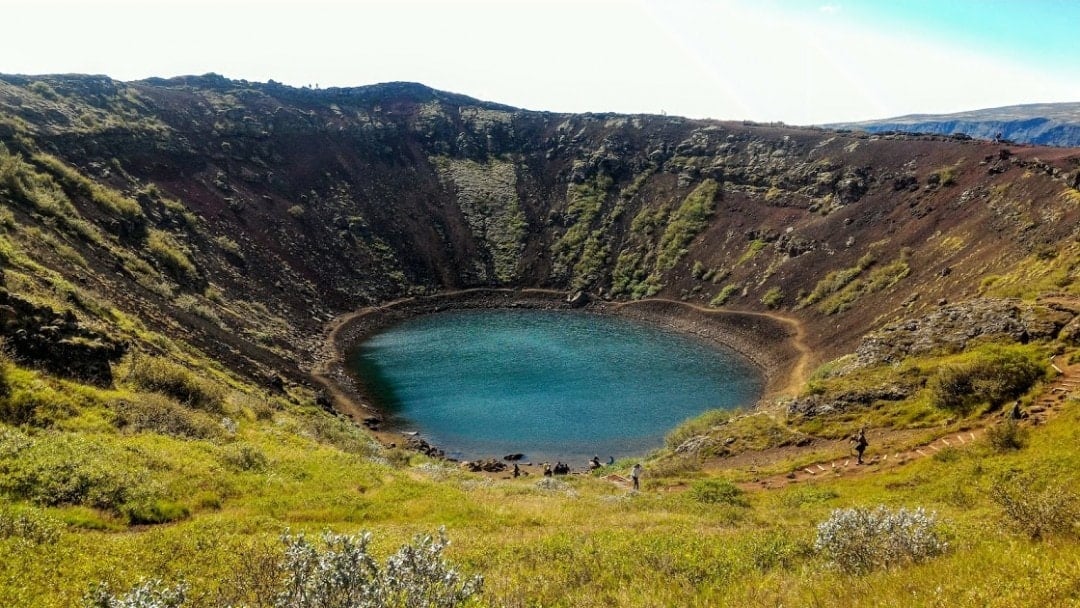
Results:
768 342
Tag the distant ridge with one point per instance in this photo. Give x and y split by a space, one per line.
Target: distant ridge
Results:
1046 124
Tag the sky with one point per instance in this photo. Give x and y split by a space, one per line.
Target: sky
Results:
796 61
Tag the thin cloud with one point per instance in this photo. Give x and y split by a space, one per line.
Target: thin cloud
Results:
830 9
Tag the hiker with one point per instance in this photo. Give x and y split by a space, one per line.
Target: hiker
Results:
635 475
860 443
547 470
594 463
517 471
610 460
1017 413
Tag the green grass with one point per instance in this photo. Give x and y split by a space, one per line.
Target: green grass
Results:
164 248
686 222
692 537
751 252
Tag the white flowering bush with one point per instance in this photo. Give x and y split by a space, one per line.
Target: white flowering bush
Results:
345 575
861 539
150 594
339 572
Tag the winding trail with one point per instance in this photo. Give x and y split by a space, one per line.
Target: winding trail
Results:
1048 405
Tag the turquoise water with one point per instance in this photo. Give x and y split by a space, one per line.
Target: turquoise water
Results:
552 385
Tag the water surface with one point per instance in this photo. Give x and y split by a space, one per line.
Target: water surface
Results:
552 385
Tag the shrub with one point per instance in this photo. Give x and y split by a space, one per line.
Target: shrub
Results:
28 525
1036 509
160 414
148 594
166 250
63 469
773 298
717 491
345 575
158 511
341 433
859 540
992 375
244 457
1008 435
724 295
163 376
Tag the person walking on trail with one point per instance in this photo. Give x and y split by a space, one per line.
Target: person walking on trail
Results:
860 443
635 475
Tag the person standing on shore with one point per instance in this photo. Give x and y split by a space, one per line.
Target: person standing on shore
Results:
635 476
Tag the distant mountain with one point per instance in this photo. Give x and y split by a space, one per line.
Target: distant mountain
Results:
1047 124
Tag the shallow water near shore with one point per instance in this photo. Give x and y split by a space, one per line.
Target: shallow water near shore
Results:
552 385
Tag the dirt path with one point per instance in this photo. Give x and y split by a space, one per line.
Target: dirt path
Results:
877 460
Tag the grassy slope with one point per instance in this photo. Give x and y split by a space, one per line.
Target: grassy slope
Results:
584 543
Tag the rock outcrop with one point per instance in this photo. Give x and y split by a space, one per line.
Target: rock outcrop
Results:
57 342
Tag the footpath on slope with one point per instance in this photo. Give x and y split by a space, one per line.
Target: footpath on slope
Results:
879 457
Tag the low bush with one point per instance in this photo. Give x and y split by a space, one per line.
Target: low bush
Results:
341 433
148 594
163 376
1006 436
859 540
28 525
717 491
1037 509
992 375
157 511
160 414
773 298
244 457
342 573
65 469
175 260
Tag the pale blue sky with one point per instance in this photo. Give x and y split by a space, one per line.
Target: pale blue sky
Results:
796 61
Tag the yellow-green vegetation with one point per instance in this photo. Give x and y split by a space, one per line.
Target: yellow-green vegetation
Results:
839 290
923 392
751 252
581 250
946 176
171 255
686 222
1054 269
228 492
658 239
724 295
108 199
836 280
773 298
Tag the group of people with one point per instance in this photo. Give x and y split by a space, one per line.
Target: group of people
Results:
562 468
